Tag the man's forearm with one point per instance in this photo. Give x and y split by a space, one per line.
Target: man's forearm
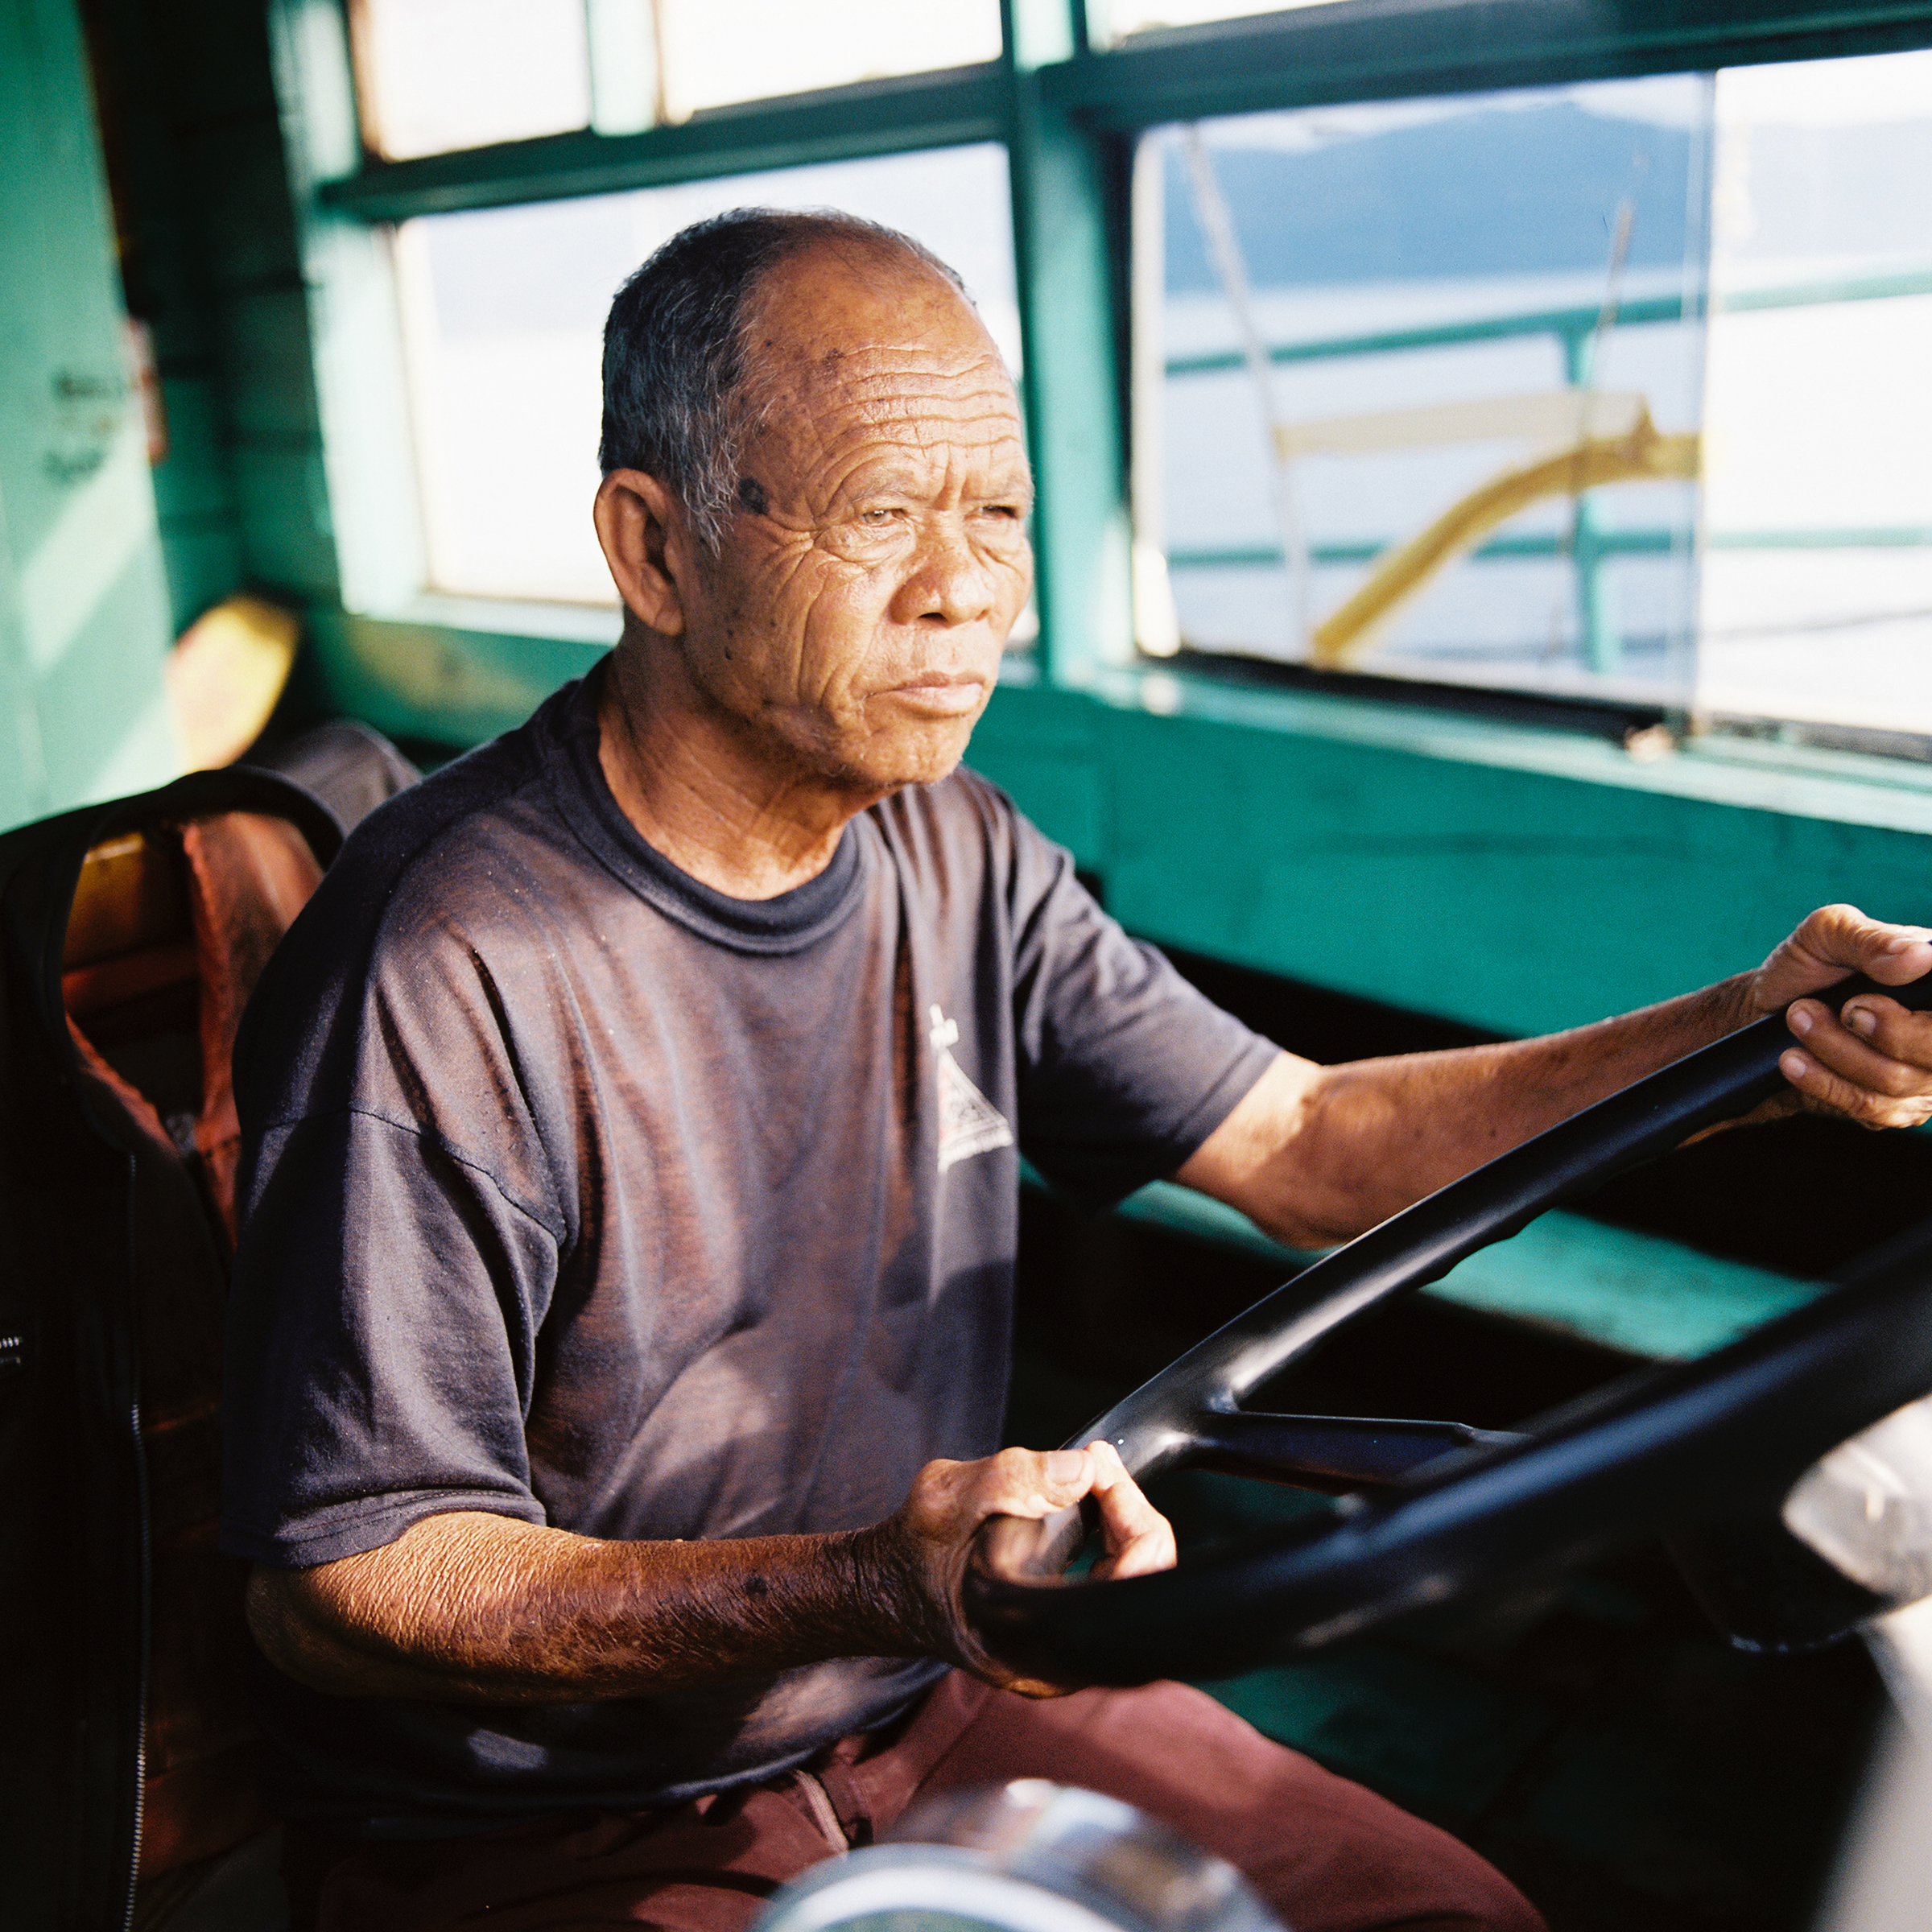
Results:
485 1608
1326 1152
488 1609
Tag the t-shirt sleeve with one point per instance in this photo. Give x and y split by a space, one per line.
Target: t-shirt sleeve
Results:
381 1342
1125 1068
400 1240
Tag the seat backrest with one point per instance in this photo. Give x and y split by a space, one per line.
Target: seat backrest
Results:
130 937
169 930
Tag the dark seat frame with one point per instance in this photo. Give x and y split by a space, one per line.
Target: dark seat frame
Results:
113 1266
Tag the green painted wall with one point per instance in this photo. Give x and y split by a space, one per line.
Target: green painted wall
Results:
84 614
102 560
195 149
147 118
1624 1290
1440 875
240 234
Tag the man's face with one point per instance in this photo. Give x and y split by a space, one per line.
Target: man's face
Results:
854 619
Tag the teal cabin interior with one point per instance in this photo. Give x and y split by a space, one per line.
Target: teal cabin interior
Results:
1484 547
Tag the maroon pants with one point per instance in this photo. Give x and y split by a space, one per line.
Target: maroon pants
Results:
1328 1856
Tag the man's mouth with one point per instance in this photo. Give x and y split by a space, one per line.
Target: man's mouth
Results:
945 693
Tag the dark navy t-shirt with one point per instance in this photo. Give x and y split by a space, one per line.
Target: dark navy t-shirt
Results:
578 1191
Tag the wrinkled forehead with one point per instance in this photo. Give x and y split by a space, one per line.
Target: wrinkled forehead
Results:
862 338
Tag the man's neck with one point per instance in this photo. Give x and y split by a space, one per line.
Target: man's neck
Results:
697 792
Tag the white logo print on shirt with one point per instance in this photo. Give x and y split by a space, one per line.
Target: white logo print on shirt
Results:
969 1123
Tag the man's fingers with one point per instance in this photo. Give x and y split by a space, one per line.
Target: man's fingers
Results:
1890 1029
1025 1483
1832 1092
1872 1061
1904 955
1139 1539
1869 1059
1875 1044
949 1505
1124 1510
1836 940
1018 1482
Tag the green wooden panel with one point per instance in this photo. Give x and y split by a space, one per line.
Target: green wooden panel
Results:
270 386
1510 897
246 225
216 69
283 501
436 681
1507 899
160 151
235 177
1046 746
166 270
1631 1291
1511 900
84 615
191 482
202 565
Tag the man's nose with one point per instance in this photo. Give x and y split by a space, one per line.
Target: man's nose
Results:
949 582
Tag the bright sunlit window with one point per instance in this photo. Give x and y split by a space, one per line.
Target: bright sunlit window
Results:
433 75
438 74
1419 386
1125 17
1425 389
1817 599
503 313
716 51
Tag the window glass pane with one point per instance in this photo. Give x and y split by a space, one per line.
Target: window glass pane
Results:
1125 17
721 50
1424 380
1818 577
434 75
504 312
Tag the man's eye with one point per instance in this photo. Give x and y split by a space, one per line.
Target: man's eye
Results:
1005 519
876 519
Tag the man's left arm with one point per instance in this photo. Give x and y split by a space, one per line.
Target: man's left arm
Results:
1316 1154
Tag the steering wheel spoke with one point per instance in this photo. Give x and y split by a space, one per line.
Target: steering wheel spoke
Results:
1333 1454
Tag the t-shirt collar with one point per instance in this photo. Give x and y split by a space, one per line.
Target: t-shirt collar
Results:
786 923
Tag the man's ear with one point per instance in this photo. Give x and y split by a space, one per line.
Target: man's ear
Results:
640 526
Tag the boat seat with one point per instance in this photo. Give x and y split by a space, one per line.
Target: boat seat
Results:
131 934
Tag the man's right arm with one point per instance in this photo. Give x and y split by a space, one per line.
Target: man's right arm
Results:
477 1608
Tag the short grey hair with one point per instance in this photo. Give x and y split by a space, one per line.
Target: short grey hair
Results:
674 360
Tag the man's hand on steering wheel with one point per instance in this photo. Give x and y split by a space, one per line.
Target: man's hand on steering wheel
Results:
1871 1061
920 1552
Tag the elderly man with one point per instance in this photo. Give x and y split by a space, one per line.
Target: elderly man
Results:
621 1325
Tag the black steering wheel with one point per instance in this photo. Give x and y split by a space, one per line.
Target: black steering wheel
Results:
1703 1449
